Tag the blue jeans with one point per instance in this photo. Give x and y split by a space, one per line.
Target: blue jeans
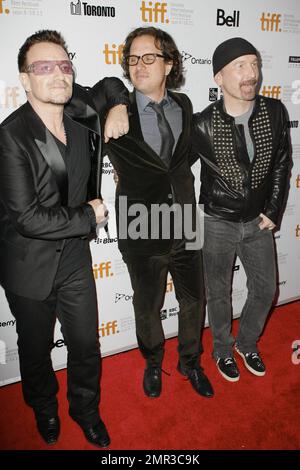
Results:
223 240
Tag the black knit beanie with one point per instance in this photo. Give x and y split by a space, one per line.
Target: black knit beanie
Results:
229 50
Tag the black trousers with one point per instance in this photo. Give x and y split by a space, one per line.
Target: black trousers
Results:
73 301
148 278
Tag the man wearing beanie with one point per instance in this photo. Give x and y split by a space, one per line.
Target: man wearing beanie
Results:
243 144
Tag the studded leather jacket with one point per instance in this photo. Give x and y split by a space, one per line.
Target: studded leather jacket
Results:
232 187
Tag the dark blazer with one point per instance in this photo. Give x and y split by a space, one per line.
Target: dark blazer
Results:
35 219
144 178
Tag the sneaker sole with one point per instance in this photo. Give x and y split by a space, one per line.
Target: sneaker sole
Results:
253 371
230 379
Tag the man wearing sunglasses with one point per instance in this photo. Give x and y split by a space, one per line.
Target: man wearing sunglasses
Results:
45 221
153 170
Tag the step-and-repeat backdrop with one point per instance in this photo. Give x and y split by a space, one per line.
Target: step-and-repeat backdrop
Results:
95 31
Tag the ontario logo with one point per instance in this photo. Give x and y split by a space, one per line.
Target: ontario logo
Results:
124 297
187 57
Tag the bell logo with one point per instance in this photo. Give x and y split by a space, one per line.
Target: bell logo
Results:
233 20
271 91
9 96
3 10
270 22
109 328
113 55
156 14
297 230
102 270
298 182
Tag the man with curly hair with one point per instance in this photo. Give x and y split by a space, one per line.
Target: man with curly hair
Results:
153 171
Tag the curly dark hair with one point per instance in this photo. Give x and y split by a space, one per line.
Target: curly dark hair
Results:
166 44
44 35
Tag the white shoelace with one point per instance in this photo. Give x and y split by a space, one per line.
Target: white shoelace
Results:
228 361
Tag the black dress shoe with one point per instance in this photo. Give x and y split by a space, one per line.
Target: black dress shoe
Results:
152 382
49 429
198 379
97 434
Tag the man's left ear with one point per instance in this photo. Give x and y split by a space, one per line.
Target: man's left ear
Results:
169 66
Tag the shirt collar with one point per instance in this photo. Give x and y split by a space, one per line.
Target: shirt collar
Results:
142 101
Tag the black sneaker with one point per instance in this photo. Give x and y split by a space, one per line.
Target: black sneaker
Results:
253 362
228 368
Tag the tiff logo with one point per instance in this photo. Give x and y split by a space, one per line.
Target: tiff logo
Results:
297 230
169 286
228 20
293 124
9 96
113 55
270 22
271 91
109 328
3 10
298 182
102 270
154 14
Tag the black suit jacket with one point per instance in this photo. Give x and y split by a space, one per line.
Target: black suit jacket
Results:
144 178
35 218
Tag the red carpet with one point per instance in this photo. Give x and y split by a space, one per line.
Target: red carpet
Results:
254 413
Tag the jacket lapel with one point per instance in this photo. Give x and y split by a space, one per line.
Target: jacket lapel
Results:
53 157
81 110
49 150
185 135
136 135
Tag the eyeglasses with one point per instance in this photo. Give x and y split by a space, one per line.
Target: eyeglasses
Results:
147 59
46 67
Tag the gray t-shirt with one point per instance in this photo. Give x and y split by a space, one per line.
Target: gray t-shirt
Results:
243 119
